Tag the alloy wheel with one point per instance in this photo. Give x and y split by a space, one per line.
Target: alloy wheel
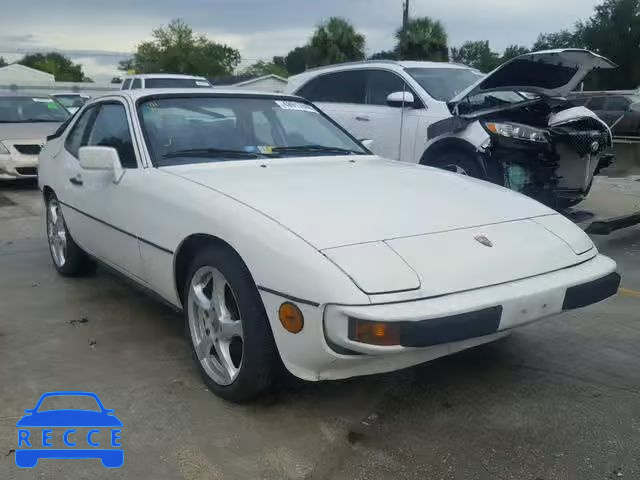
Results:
56 233
215 325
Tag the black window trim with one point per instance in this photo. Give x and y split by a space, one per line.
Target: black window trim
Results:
97 106
87 128
364 69
290 98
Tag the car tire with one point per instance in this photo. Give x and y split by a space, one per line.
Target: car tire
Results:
458 162
231 339
68 258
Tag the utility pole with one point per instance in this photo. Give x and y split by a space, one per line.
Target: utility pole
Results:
405 15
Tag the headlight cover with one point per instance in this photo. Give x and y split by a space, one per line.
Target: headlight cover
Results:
517 131
3 149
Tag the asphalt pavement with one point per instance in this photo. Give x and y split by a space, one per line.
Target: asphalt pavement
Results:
559 399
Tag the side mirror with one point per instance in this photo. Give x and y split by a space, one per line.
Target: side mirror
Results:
401 99
367 142
105 159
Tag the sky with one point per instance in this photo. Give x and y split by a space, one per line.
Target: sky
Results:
97 34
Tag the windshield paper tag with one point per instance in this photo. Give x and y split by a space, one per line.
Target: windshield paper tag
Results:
42 100
301 107
202 83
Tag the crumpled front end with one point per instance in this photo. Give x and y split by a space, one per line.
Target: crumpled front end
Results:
557 165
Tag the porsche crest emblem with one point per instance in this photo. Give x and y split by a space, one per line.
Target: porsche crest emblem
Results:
483 240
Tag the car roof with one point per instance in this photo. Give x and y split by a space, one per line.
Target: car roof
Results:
164 75
151 92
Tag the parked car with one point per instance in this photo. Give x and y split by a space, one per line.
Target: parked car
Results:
512 127
71 101
163 80
282 237
620 110
25 122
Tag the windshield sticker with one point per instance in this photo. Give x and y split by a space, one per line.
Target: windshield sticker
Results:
53 106
265 149
289 105
42 100
202 83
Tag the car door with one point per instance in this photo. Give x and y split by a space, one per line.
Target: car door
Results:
106 209
392 128
341 95
617 110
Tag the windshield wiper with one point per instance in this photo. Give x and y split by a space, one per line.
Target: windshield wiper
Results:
212 152
316 149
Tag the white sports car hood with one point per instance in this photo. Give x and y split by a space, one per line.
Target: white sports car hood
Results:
336 201
552 73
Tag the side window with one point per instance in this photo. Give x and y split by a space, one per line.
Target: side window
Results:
126 84
380 84
137 83
597 103
78 135
339 87
111 129
618 104
580 101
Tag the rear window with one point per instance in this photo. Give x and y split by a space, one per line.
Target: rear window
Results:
176 83
340 87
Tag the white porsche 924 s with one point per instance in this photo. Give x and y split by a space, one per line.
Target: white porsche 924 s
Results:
281 237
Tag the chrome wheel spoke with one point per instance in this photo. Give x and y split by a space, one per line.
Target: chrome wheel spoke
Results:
230 329
229 371
218 299
204 347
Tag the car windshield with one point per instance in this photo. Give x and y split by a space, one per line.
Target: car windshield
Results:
201 129
444 83
70 101
176 83
31 109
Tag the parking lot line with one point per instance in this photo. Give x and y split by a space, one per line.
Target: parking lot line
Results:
627 292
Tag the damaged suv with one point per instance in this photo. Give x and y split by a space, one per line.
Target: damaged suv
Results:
513 127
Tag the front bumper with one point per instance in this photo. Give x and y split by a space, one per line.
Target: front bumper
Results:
434 327
18 166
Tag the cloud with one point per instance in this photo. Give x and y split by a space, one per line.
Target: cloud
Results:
101 33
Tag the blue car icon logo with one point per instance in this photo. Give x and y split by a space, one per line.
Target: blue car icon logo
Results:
83 433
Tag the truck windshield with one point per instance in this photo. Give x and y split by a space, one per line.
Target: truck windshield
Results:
444 83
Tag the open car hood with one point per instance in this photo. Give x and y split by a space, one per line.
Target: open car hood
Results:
552 73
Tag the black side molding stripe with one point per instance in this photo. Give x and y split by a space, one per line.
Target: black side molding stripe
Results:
124 232
288 297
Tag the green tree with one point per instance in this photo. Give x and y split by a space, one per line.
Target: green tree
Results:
384 55
561 39
3 62
297 60
424 39
261 68
335 41
177 49
513 51
476 54
61 67
614 32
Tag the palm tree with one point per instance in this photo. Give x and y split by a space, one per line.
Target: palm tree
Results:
423 39
336 41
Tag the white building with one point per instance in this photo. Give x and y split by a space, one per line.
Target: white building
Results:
267 83
16 74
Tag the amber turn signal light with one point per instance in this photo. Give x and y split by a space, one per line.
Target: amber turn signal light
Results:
374 333
291 317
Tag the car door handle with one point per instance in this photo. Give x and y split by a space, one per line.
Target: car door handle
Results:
77 180
361 118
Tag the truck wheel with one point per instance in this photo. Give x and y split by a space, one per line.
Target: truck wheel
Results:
231 338
457 162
